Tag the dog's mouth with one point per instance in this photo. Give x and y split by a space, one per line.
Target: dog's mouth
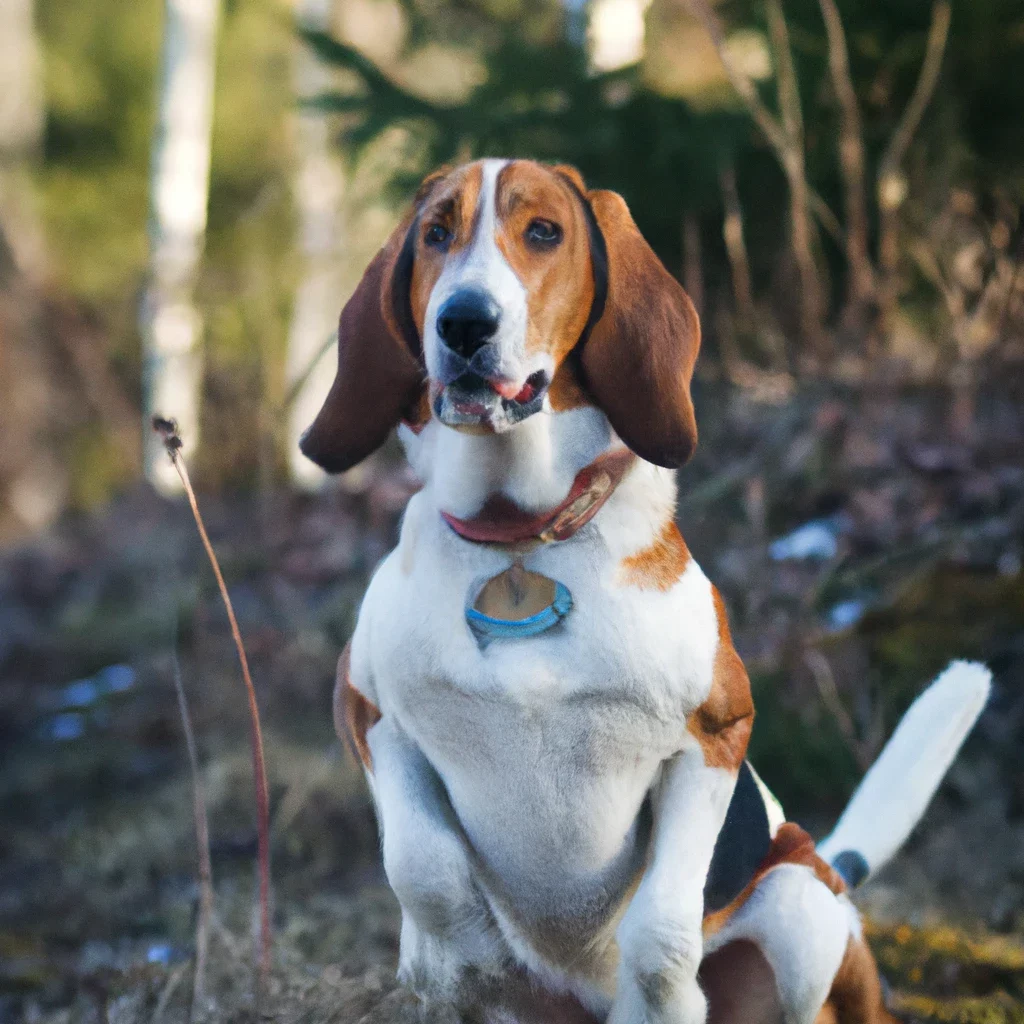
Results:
477 404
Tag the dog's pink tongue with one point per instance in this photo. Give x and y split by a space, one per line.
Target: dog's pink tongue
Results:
512 391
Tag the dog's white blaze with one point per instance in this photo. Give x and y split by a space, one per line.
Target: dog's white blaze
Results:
482 265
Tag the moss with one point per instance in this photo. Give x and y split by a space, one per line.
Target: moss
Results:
941 973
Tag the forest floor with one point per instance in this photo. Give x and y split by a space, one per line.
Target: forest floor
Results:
861 541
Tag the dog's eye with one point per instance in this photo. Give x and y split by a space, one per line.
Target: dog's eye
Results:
438 236
543 232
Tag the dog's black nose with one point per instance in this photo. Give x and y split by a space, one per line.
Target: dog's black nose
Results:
467 321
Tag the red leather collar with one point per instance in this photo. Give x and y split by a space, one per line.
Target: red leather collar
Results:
501 521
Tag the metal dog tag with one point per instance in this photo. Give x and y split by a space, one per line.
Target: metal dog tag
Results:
518 603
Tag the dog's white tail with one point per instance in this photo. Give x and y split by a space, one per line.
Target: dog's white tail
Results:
896 790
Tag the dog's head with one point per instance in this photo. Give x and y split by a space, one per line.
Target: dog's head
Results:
508 289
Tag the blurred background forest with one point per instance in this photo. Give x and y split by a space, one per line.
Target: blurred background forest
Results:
190 189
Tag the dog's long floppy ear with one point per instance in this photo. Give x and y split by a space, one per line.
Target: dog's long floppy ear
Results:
379 378
638 359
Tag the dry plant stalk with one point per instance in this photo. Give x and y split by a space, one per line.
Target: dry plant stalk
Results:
202 844
168 431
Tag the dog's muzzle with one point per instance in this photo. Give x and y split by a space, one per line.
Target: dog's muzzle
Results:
469 391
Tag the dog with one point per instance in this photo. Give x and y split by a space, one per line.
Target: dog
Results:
541 686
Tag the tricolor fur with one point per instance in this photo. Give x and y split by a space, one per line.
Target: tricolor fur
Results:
549 807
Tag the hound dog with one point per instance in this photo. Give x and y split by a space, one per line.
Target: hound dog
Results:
541 685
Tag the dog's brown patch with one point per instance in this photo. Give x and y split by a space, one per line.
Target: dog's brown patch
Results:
740 986
354 714
722 724
559 280
856 996
419 414
565 391
659 566
452 203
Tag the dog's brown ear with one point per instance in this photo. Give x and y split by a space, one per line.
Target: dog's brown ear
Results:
638 360
379 378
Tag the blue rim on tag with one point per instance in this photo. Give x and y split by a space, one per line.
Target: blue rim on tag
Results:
512 629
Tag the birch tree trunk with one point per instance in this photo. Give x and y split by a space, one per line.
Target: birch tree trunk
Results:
33 480
21 132
179 190
319 185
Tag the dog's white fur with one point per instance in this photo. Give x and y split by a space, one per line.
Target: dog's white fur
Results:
511 780
543 752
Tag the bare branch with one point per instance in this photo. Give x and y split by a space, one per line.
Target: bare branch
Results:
923 90
851 159
786 139
789 90
736 246
891 189
745 88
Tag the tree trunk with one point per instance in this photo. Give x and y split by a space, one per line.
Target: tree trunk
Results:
319 184
171 325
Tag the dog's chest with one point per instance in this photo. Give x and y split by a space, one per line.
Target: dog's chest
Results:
547 745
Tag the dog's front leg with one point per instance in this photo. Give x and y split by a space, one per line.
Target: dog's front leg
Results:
660 938
451 950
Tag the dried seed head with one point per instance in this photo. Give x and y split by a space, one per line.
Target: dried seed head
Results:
168 430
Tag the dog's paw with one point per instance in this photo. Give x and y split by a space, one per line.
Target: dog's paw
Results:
654 999
451 987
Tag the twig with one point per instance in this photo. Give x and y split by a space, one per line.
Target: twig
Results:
812 304
921 97
851 162
826 684
789 91
202 843
826 218
168 431
173 980
744 86
890 189
736 246
221 930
